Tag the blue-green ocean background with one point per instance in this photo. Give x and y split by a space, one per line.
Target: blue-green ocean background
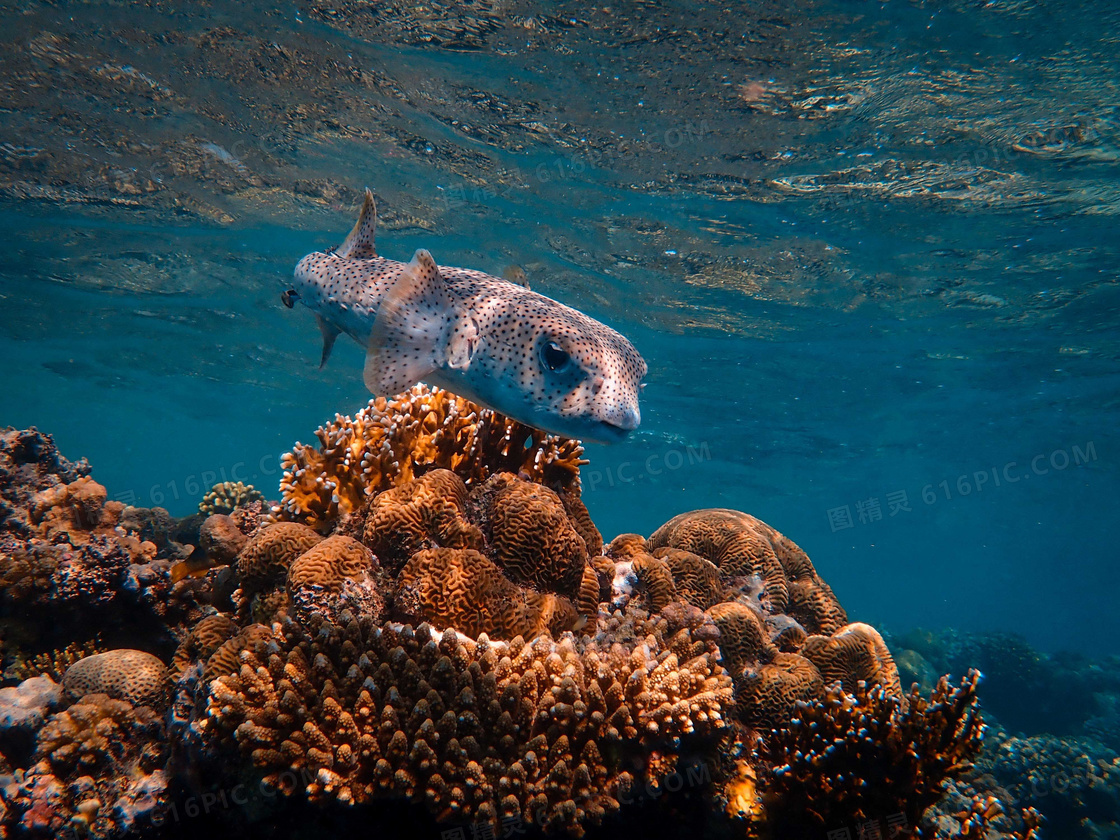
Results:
866 250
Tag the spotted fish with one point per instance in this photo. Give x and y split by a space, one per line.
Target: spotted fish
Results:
482 337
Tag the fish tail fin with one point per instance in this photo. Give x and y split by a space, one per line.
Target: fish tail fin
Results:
409 336
358 244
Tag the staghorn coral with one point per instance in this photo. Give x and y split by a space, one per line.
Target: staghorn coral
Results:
227 496
391 442
551 732
461 588
53 663
425 513
133 676
850 758
528 534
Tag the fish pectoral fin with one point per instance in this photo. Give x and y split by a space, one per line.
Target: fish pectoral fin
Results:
329 332
462 343
408 340
358 244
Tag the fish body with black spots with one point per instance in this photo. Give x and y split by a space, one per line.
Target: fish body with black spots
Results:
479 336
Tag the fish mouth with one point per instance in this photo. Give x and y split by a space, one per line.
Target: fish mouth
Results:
605 432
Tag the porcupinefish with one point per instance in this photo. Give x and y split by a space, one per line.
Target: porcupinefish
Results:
482 337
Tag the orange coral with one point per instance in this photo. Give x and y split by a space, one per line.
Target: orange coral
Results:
529 534
464 590
265 561
545 732
768 695
391 442
427 512
695 579
736 542
852 654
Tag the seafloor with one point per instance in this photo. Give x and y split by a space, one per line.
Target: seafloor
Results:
426 633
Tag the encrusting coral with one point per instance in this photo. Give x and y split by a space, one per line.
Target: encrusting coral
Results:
391 442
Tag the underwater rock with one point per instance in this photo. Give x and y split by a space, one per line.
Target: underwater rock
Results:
23 710
1073 782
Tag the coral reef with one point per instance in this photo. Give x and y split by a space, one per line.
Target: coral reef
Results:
228 496
551 732
461 588
881 755
435 619
98 772
391 442
1073 782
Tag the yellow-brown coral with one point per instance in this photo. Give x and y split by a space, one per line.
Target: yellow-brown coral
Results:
852 654
463 589
226 496
329 563
265 561
391 442
427 512
542 732
529 535
134 676
204 638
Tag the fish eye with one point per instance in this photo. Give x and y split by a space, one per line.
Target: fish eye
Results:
554 356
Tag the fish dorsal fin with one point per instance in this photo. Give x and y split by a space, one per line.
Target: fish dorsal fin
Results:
329 332
358 244
409 335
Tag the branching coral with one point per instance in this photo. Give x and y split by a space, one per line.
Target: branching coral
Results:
227 496
551 732
391 442
851 758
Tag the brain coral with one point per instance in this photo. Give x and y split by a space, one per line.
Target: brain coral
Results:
391 442
853 653
528 534
265 560
551 732
134 676
427 512
461 588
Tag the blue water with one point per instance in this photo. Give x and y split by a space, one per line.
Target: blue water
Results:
866 250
